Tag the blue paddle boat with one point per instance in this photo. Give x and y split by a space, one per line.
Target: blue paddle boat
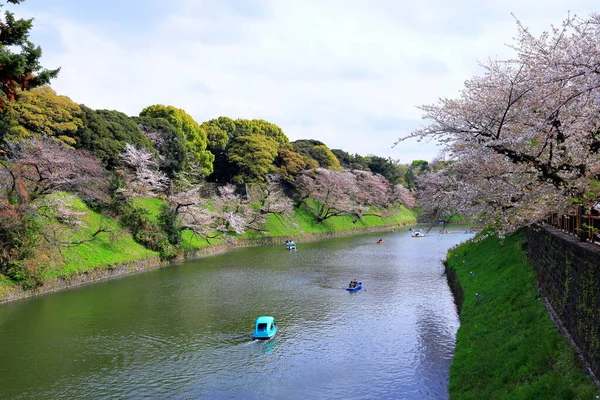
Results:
354 288
264 328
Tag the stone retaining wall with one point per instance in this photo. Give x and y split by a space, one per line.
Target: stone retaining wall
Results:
568 272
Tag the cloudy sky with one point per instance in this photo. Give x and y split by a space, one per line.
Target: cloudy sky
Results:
350 73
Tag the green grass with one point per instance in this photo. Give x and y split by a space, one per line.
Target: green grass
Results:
192 241
116 247
303 222
507 347
152 204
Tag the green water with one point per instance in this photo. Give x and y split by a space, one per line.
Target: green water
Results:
183 332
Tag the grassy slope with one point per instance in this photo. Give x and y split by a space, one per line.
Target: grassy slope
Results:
151 204
117 247
303 223
507 346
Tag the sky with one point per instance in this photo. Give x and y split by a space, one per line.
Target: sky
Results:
350 73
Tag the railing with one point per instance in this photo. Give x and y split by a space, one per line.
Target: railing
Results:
584 226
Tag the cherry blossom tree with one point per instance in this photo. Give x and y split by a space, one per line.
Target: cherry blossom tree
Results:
273 200
146 176
402 195
41 166
339 193
223 215
524 135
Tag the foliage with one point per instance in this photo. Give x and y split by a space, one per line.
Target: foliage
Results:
170 224
218 133
317 152
20 67
105 133
325 158
535 118
229 141
262 128
386 168
41 112
511 324
414 171
253 156
200 159
289 163
18 236
168 141
148 231
303 146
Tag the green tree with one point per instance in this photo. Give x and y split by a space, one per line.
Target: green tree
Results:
303 146
345 158
41 112
385 167
290 163
20 67
222 134
319 152
219 131
262 127
105 133
200 158
325 158
416 168
253 155
168 141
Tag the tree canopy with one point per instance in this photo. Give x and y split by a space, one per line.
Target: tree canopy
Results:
41 112
106 132
168 141
253 155
196 139
525 135
20 67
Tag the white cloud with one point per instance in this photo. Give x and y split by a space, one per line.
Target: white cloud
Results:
347 72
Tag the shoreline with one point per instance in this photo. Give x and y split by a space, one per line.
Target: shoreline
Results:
110 272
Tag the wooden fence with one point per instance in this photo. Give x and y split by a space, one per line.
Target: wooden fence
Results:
586 226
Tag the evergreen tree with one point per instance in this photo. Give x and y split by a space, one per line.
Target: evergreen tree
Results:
19 70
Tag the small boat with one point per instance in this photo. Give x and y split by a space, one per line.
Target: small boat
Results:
355 288
418 234
264 328
380 241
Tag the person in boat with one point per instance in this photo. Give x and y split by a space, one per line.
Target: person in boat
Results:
353 283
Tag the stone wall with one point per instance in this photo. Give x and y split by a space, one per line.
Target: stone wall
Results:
455 287
569 277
